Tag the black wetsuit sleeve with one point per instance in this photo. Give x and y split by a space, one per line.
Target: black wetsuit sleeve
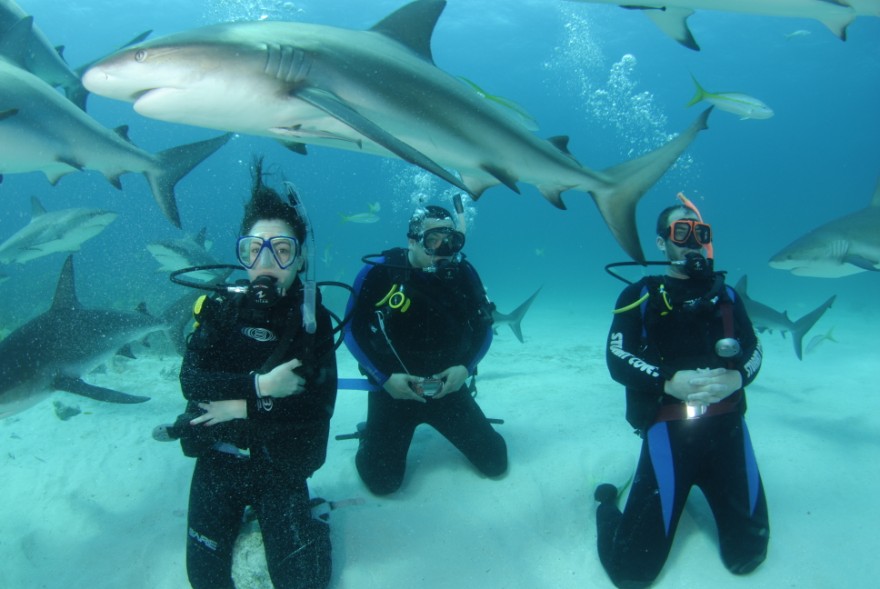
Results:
751 355
318 398
623 354
205 374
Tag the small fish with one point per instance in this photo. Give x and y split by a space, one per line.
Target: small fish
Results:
369 217
818 339
747 107
797 33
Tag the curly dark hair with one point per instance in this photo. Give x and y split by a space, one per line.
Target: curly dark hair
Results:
265 204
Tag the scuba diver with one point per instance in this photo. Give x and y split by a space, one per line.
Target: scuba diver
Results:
684 347
259 376
420 324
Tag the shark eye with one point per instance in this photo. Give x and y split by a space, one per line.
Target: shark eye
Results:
140 55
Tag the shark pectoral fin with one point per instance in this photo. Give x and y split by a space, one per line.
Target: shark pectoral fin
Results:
5 114
79 387
862 262
673 21
838 23
294 146
345 114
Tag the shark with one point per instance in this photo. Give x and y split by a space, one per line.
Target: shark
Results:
187 252
55 349
40 130
19 33
374 91
514 319
765 318
671 15
50 232
844 246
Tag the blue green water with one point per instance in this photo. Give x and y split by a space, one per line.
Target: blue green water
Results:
606 77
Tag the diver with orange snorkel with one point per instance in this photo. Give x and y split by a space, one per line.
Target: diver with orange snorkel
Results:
684 347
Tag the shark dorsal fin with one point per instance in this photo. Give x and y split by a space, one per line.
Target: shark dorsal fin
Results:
413 25
122 131
560 142
37 208
875 201
65 293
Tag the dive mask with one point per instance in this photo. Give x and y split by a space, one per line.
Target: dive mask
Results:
253 250
690 233
442 241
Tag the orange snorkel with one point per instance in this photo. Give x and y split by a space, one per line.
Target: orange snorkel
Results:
710 250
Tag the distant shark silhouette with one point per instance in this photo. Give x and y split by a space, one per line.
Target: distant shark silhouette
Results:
671 15
765 318
514 319
845 246
55 349
375 91
56 231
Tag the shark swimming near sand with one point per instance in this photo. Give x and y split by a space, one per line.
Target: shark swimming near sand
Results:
841 247
514 319
40 130
765 318
187 252
56 231
374 91
671 15
55 349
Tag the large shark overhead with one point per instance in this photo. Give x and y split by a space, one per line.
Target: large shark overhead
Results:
841 247
55 349
375 91
671 15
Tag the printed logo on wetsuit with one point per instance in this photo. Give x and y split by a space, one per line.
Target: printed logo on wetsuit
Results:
259 334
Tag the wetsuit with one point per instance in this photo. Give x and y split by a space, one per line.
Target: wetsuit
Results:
436 322
647 344
262 461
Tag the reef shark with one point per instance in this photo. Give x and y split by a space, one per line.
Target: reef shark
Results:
40 130
188 252
765 318
55 349
375 91
841 247
57 231
671 15
38 55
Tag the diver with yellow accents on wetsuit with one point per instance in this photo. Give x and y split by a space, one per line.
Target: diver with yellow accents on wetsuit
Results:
684 347
420 324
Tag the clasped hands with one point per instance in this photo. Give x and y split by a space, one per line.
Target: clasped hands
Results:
703 386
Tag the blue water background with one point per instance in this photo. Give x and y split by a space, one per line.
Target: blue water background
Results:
606 77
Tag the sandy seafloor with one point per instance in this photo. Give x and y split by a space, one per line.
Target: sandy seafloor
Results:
93 502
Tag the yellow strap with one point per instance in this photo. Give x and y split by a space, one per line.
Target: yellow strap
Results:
387 296
632 305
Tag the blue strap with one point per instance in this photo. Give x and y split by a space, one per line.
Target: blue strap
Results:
354 384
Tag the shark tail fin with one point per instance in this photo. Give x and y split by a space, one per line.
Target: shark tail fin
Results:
806 323
515 318
174 164
632 179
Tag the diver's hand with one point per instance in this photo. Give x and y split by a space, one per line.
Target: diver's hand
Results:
282 381
219 411
453 377
399 386
680 385
715 385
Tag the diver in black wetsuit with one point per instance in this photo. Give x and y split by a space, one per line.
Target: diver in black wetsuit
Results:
684 347
420 323
261 390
